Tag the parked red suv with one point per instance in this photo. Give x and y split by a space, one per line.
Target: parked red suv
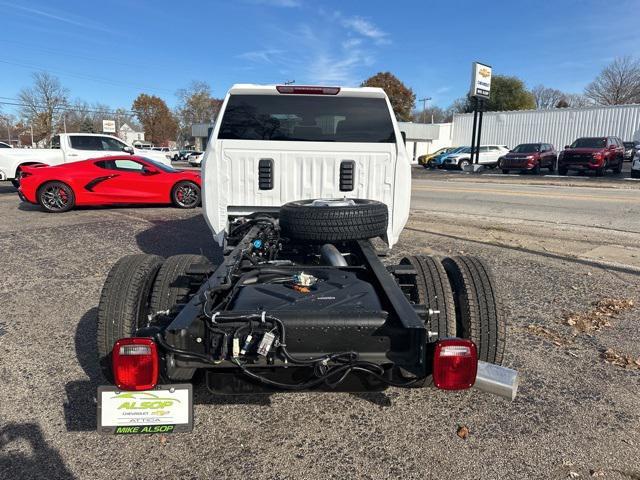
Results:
592 153
529 156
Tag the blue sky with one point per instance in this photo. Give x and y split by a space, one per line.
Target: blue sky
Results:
110 51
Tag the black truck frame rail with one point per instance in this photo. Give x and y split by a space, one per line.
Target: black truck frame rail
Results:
325 348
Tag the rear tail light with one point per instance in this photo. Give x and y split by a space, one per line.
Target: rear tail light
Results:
135 363
455 364
300 90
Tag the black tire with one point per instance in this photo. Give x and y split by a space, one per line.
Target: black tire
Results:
478 307
552 168
635 173
124 303
319 224
536 169
56 197
432 289
562 171
186 194
618 168
462 163
505 171
15 182
172 286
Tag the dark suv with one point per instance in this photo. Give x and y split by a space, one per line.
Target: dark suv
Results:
529 156
592 153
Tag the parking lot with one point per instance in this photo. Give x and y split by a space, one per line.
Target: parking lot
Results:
495 174
556 250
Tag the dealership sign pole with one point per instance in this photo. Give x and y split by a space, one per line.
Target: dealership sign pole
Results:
480 91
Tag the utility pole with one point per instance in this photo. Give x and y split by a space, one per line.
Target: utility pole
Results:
31 135
424 109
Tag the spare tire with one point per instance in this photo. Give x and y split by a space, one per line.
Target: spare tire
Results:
340 220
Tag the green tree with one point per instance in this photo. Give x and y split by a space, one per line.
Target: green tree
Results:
507 93
156 118
402 98
87 126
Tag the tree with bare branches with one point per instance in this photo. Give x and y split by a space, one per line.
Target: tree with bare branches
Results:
546 97
617 84
195 105
43 103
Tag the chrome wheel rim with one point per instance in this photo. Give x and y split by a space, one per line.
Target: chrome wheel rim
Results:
186 196
55 197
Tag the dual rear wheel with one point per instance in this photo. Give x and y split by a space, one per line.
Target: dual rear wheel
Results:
136 292
461 301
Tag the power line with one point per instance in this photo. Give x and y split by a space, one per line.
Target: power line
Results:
67 108
81 76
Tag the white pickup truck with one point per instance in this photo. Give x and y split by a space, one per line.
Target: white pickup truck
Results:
65 148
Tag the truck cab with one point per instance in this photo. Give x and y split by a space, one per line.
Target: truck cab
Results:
277 144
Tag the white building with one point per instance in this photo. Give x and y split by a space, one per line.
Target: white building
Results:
129 135
424 138
558 126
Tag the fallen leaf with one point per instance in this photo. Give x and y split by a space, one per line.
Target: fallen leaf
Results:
463 432
573 474
554 337
599 316
620 359
163 439
596 473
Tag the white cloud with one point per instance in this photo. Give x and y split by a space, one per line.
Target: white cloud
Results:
329 48
277 3
263 56
366 29
60 17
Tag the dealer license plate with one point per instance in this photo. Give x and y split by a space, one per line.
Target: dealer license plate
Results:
166 409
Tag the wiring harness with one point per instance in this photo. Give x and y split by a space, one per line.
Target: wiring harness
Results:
265 335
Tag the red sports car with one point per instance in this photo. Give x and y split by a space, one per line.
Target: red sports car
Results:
109 181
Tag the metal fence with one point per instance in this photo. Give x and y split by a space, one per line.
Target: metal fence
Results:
560 126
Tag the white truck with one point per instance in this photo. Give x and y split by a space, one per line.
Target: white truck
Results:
297 180
70 147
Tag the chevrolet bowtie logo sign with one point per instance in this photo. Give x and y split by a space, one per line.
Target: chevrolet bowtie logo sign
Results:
480 81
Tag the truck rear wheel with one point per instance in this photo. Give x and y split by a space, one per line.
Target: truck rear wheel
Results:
478 308
124 303
341 220
172 285
431 288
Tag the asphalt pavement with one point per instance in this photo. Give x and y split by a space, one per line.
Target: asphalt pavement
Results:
576 414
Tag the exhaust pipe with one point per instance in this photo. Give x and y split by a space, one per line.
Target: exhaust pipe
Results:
332 256
497 380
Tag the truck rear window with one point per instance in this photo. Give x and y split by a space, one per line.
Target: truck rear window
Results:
304 118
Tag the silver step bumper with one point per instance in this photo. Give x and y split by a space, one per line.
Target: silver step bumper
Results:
497 380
